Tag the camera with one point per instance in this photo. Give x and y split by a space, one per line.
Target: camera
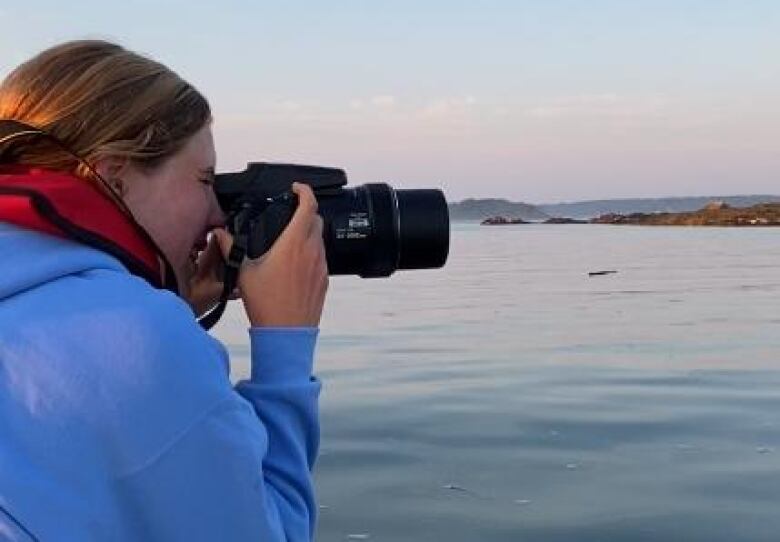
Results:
371 230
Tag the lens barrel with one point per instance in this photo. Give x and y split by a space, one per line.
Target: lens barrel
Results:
373 230
425 229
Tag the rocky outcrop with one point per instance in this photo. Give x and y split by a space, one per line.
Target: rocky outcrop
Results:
716 206
480 209
594 208
563 220
714 214
502 221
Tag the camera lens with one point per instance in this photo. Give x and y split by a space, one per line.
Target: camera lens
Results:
373 230
425 229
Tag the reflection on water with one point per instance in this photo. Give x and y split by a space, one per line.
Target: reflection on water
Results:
510 396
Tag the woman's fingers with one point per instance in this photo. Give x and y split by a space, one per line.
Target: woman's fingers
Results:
287 285
305 213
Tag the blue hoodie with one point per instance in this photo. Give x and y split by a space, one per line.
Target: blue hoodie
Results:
117 417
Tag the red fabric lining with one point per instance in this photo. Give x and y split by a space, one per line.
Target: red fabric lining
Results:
78 202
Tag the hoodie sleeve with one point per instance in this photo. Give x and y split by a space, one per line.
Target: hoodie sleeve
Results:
242 471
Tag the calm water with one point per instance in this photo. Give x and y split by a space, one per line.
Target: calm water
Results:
510 396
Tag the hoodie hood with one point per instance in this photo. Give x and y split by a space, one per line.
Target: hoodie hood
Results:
31 259
62 206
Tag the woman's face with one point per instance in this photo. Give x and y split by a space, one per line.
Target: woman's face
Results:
175 203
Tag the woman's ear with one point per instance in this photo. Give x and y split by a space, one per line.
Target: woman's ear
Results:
111 170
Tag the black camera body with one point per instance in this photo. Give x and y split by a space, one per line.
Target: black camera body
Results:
370 230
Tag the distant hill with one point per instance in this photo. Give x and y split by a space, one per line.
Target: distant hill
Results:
480 209
590 209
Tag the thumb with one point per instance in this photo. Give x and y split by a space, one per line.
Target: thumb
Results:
224 240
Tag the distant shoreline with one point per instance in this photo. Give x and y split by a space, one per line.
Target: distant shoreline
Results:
480 209
714 214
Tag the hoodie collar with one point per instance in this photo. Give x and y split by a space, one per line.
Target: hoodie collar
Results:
65 206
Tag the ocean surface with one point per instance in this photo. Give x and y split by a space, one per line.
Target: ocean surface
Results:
510 396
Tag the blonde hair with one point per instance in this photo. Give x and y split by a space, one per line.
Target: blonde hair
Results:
100 100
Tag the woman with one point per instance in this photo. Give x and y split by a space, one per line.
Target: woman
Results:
117 417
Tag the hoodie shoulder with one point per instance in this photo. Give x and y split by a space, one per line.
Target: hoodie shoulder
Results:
99 346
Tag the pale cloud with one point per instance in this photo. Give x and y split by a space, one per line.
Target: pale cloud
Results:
383 101
608 104
448 106
288 106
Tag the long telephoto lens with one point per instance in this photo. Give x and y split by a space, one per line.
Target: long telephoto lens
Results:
373 230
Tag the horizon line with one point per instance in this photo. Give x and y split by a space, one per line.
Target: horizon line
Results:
643 198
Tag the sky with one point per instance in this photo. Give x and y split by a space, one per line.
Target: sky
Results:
539 101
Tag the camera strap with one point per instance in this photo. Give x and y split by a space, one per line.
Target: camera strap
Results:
232 267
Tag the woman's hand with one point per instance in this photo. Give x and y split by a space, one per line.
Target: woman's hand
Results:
205 287
286 286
